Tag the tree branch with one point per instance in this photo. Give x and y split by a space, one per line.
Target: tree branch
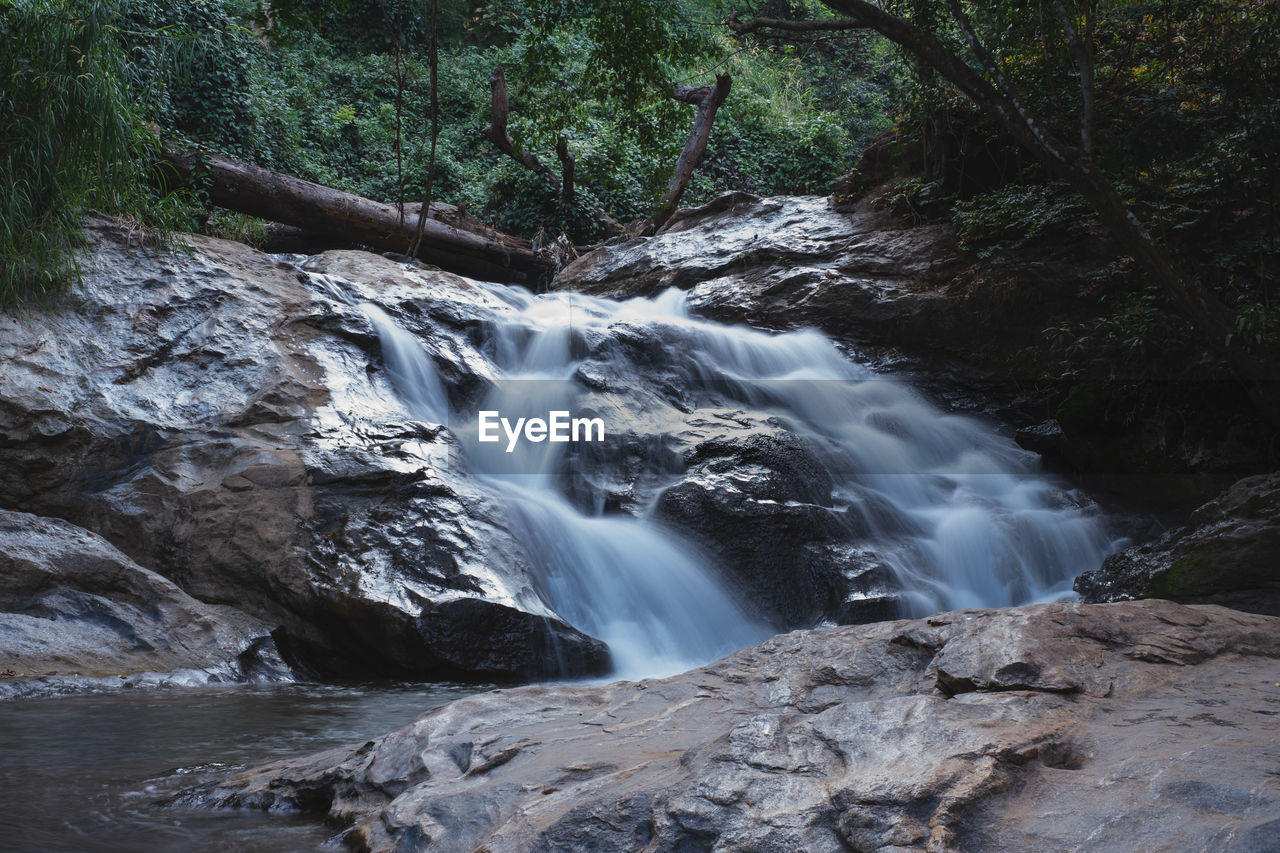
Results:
1082 55
497 133
433 63
708 99
1193 300
567 163
991 66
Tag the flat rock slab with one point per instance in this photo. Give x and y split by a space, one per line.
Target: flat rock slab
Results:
1130 726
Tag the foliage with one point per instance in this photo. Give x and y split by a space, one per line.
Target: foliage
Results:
914 199
1017 214
70 139
1186 125
199 72
311 90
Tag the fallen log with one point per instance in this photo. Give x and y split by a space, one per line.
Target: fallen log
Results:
479 252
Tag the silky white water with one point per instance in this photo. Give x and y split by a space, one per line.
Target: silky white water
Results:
959 513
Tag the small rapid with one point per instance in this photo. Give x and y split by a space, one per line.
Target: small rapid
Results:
958 513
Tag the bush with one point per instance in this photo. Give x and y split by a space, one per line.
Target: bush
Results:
72 138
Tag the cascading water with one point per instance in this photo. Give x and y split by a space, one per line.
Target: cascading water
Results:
958 513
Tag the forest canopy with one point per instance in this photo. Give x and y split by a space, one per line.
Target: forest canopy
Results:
1179 98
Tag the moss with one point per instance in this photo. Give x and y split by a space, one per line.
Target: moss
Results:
1083 409
1191 573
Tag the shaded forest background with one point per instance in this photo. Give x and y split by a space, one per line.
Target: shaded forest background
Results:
338 93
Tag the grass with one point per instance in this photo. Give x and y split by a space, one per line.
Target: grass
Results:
70 138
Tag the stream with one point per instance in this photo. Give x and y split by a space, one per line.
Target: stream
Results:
83 774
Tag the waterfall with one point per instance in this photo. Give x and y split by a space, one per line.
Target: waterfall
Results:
959 514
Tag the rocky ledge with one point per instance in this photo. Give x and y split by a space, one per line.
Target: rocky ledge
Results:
862 275
80 615
1226 554
1131 726
225 421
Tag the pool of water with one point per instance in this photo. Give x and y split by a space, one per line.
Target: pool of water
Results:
83 774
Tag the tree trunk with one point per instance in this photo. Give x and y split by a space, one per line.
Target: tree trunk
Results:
708 100
567 164
482 253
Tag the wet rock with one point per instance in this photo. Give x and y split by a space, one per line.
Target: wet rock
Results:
1042 727
226 421
1045 438
76 614
761 502
1226 554
784 262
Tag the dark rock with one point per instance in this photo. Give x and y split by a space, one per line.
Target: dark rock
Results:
761 503
1045 438
1226 554
80 615
783 262
1039 727
482 637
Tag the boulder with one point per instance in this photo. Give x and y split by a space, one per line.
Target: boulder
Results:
77 614
1226 554
1130 726
782 262
761 502
226 420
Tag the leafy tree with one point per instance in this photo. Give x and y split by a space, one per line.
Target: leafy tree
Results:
971 48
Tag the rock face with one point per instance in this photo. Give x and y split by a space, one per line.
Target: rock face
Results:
858 274
781 262
78 614
1132 726
222 420
1228 553
763 504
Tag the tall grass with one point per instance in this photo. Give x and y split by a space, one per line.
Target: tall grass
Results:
70 138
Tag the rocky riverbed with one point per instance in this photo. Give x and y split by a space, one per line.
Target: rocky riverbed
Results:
1132 726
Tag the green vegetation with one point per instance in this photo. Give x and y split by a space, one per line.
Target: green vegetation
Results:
70 138
337 93
1183 123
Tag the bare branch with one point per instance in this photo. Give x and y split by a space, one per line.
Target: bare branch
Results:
567 164
984 56
771 27
691 94
708 99
497 133
433 62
